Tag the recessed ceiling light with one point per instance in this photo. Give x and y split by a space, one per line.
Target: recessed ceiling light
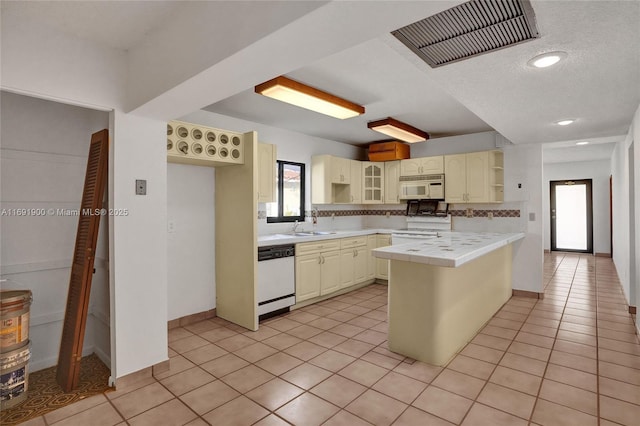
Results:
582 143
547 59
565 122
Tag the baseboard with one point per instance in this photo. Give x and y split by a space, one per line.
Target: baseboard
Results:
603 254
525 293
547 251
105 358
632 310
190 319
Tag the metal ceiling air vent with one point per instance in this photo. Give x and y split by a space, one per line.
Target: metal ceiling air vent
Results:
469 29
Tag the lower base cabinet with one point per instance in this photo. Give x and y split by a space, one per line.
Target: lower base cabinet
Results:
382 265
328 266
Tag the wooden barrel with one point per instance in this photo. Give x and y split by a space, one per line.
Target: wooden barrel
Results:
14 319
14 376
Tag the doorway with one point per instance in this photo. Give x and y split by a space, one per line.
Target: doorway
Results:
571 216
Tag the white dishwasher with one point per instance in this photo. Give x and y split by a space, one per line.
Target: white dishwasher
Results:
276 279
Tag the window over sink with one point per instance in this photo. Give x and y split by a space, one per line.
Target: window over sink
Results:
289 204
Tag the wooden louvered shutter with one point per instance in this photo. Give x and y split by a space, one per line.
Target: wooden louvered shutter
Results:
75 318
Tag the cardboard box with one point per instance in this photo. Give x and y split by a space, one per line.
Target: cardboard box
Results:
387 151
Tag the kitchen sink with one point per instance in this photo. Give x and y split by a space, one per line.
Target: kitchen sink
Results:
305 234
310 233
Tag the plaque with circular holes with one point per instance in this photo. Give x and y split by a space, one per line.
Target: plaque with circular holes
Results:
203 144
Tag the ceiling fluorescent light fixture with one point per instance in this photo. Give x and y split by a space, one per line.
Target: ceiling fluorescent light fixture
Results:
565 122
398 130
582 143
547 59
286 90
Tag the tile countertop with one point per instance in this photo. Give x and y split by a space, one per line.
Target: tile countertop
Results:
277 239
450 249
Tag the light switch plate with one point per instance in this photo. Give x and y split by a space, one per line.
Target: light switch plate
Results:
532 217
141 187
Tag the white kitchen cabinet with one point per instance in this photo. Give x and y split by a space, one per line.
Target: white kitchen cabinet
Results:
340 169
329 272
372 182
360 265
475 177
308 269
392 182
371 261
266 173
317 269
356 182
422 166
353 261
330 178
347 262
382 265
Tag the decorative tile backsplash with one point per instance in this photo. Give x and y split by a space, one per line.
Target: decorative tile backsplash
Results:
497 213
485 213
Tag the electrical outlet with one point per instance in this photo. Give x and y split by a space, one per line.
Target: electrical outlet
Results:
490 215
388 214
141 187
333 216
469 212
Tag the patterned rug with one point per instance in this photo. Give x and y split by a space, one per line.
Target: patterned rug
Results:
45 395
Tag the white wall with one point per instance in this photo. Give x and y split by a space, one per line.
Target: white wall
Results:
191 242
43 162
138 244
623 221
598 172
42 62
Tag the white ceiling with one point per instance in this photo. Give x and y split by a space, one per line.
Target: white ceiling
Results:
117 24
598 84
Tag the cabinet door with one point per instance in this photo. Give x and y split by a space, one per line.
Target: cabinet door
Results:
347 261
392 182
455 178
371 261
356 182
308 268
410 167
432 165
329 272
478 177
266 173
372 182
340 170
382 265
360 265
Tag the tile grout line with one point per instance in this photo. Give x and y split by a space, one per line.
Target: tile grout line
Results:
546 367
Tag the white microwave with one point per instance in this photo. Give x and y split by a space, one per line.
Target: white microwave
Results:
425 187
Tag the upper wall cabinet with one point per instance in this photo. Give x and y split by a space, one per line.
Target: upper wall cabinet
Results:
266 173
392 182
475 177
203 146
330 180
422 166
372 182
356 182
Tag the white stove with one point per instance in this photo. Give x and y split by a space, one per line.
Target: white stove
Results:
420 228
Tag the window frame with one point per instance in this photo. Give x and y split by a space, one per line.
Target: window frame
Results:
280 190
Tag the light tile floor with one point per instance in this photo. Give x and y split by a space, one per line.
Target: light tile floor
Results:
571 359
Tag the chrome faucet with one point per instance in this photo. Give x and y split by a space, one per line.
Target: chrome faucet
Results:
295 226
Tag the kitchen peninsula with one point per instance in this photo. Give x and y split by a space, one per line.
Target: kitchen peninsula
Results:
442 290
